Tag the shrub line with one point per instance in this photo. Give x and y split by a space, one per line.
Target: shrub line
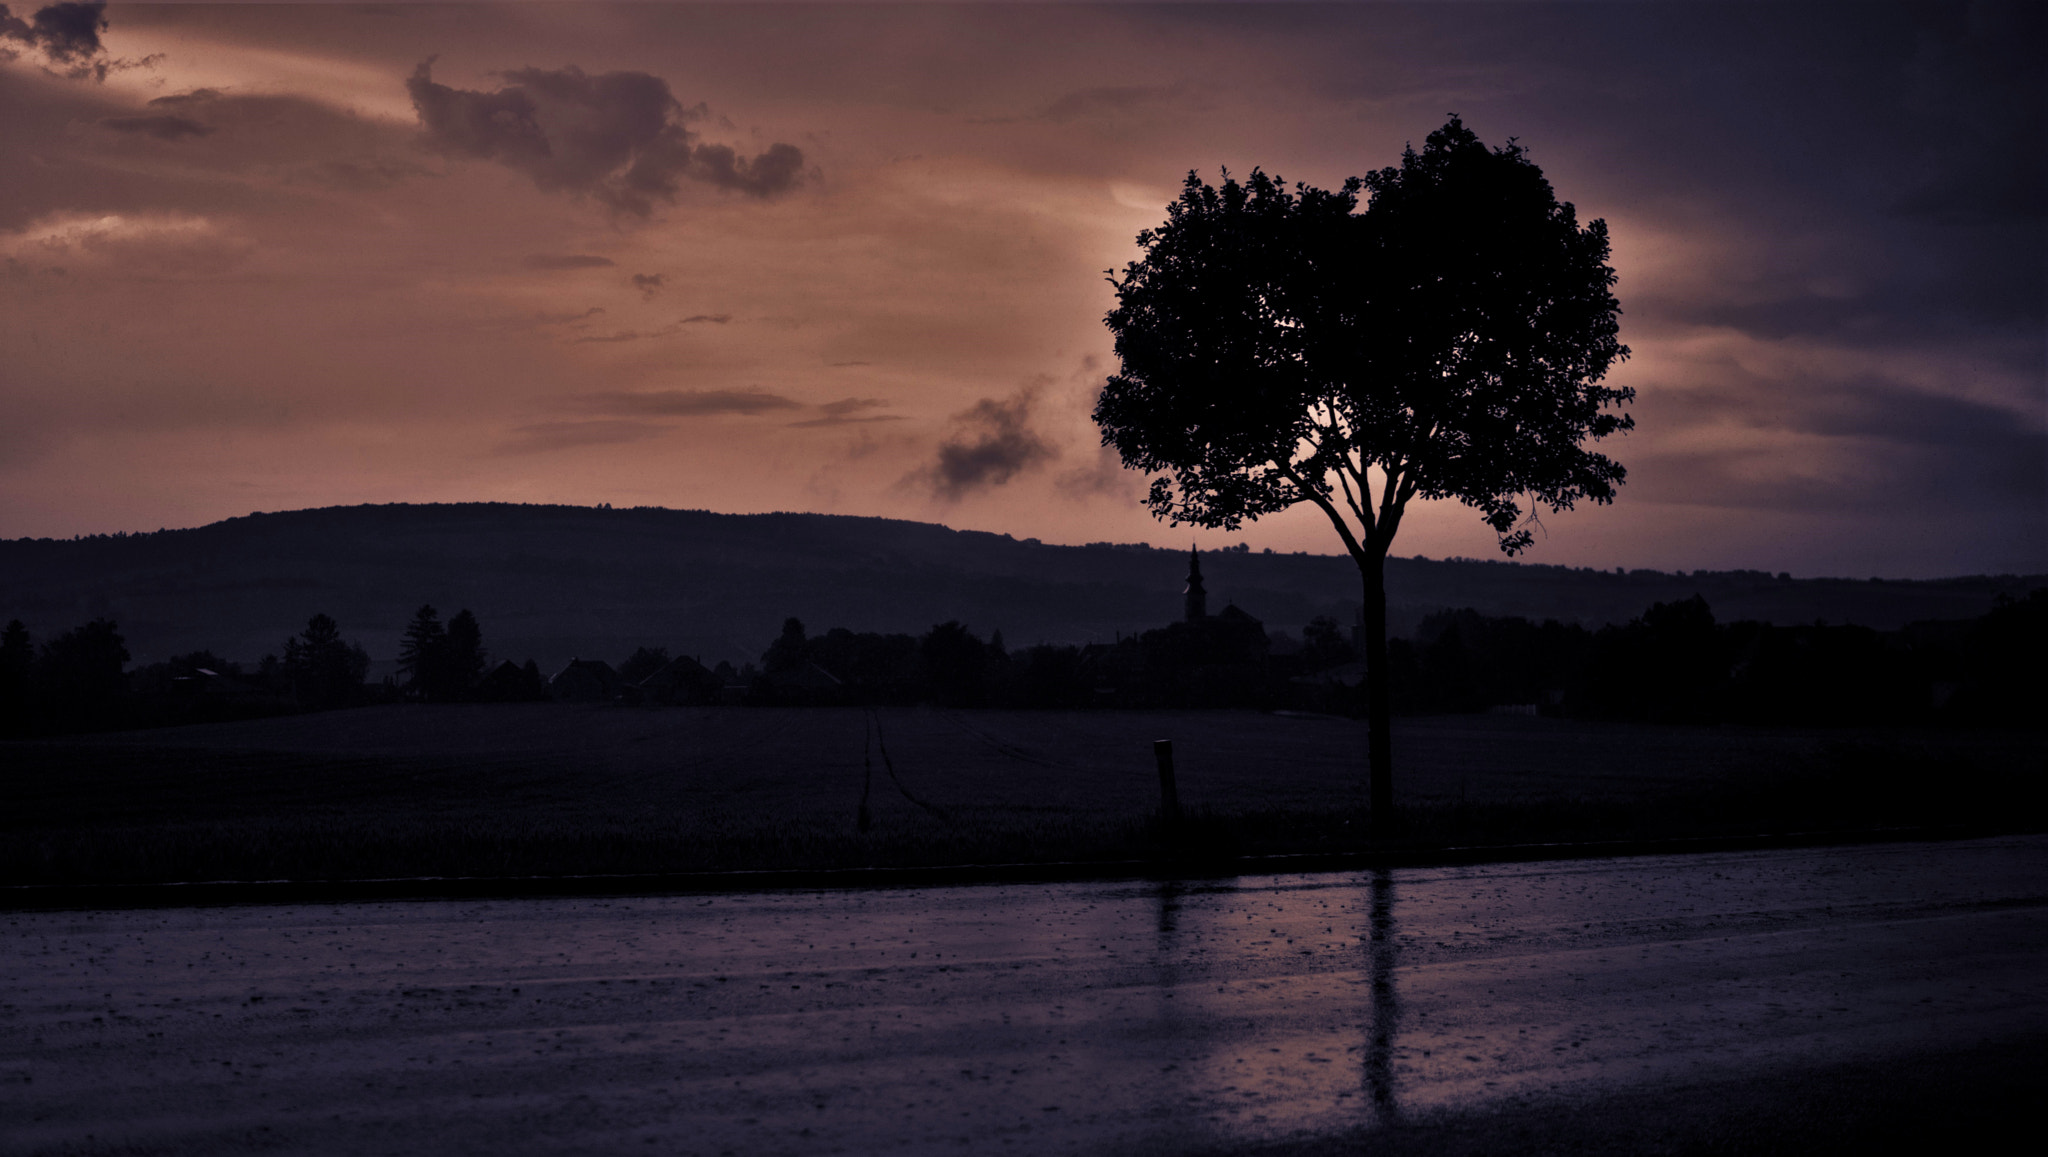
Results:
234 893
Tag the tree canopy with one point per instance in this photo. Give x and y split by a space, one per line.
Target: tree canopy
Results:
1281 346
441 662
324 669
1278 346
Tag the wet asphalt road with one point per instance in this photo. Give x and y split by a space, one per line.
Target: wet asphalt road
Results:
1108 1017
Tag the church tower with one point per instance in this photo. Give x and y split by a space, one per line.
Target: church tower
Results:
1197 598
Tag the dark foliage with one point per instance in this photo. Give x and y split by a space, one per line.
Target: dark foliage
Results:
79 676
463 664
441 663
1675 664
786 653
956 664
419 653
17 662
322 668
1278 347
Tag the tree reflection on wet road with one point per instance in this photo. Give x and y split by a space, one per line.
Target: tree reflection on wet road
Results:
1099 1016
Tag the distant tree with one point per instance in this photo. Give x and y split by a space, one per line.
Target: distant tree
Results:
419 655
956 664
17 660
80 674
463 663
786 653
323 669
17 657
643 662
2008 680
1278 348
1323 644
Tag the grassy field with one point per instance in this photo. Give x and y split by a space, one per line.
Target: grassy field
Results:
488 790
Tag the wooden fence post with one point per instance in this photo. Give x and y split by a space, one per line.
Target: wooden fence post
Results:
1169 794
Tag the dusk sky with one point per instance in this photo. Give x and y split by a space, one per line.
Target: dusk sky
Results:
850 258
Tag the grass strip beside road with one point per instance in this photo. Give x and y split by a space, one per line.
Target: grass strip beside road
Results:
503 793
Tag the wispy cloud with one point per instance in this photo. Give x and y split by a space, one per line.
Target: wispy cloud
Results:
687 402
165 127
566 261
848 412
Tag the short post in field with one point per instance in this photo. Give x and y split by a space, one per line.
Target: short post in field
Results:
1169 795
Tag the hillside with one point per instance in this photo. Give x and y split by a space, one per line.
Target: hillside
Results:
555 582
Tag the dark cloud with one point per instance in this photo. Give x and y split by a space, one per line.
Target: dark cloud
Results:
668 330
648 284
166 127
847 412
992 442
852 405
623 335
176 99
566 261
618 136
68 33
568 318
688 402
546 436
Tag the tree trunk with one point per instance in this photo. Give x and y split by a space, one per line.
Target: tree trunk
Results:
1379 712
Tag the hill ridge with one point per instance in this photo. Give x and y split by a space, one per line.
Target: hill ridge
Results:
552 581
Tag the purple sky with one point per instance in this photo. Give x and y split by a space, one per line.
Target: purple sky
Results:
850 258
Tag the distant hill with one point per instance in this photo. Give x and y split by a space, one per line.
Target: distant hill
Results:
556 582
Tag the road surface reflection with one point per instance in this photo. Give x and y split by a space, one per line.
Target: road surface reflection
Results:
1106 1017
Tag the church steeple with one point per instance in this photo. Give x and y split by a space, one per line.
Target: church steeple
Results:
1197 598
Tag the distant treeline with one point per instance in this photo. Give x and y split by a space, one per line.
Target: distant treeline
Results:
1673 664
78 681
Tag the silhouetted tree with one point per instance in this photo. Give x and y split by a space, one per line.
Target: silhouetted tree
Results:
423 655
786 653
463 663
324 670
1448 342
1323 644
17 660
956 663
2007 656
79 674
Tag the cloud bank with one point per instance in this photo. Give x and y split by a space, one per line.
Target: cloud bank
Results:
68 33
620 137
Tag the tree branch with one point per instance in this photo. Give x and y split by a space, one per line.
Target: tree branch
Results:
1329 508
